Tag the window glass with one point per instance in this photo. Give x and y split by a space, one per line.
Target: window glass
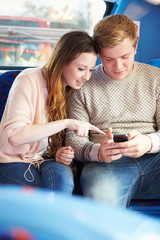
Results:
29 29
155 2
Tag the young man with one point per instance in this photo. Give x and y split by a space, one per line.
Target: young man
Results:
122 97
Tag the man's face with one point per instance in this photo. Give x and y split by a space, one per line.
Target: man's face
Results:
118 61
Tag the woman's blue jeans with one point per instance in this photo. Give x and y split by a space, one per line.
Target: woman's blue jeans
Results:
120 181
51 175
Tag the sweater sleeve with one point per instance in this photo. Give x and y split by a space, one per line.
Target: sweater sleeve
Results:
155 137
24 106
84 149
19 110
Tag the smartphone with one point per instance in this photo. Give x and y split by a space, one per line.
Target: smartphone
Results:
120 137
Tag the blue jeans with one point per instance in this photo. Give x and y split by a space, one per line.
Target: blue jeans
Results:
120 181
51 175
57 176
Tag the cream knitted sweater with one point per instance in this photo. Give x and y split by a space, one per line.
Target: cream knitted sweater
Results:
131 103
26 104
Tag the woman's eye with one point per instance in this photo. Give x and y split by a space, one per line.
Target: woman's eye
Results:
81 69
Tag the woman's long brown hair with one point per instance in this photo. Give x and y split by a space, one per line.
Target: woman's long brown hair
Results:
70 46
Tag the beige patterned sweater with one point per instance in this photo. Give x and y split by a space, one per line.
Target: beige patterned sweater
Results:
131 103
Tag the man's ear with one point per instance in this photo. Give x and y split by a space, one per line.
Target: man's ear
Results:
135 48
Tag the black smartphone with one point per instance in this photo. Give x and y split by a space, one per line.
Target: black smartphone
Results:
120 137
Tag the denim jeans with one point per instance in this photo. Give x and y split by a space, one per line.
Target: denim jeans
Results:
51 175
57 176
120 181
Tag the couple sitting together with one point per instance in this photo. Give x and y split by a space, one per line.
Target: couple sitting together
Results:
69 110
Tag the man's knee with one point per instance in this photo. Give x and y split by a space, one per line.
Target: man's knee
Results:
100 188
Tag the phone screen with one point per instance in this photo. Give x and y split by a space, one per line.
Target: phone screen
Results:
120 137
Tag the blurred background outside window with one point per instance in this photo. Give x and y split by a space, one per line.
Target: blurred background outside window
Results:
30 29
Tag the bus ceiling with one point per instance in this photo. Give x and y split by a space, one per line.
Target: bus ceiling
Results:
109 7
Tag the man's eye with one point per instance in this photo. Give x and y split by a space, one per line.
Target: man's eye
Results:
108 59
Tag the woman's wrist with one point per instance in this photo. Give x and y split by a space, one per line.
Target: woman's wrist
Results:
66 123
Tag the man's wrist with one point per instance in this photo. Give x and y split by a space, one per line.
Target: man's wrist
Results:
149 143
155 139
99 156
94 152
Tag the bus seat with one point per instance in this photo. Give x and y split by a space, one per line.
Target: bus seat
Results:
6 80
150 207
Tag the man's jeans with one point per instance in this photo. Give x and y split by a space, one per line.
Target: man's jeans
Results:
52 175
120 181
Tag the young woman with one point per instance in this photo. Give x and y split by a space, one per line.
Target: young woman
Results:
32 128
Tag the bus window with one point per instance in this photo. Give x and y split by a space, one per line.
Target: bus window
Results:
30 29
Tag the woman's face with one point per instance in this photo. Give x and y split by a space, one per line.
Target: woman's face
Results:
79 70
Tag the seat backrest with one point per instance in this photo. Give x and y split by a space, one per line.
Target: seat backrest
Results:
6 80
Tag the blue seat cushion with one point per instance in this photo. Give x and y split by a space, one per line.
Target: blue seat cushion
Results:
6 80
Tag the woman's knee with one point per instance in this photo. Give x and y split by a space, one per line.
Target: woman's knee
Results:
19 174
57 176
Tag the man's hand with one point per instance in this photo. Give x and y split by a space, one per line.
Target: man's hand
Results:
137 145
108 152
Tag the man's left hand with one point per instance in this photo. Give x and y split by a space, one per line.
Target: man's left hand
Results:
138 145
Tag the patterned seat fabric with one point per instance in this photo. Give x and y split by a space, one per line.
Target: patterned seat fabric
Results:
6 80
147 203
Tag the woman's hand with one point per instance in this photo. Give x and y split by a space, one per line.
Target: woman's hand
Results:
36 132
81 128
65 155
